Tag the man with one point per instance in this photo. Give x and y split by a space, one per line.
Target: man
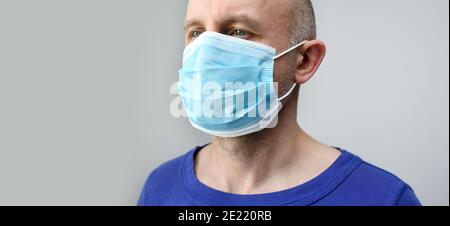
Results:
250 162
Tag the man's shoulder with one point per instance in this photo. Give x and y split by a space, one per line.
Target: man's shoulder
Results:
369 180
169 169
373 174
164 182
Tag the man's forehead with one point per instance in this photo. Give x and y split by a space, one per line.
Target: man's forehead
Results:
223 9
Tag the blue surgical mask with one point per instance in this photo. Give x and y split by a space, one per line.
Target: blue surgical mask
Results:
226 85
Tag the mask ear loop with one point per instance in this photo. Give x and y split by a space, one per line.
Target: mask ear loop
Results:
282 54
290 49
288 93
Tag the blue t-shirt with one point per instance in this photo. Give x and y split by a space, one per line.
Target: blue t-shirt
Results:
349 181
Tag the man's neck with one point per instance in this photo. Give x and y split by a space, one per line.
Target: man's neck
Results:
268 161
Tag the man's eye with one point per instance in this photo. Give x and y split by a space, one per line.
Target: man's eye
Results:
240 34
195 34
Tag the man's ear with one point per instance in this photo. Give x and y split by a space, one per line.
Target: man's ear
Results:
312 54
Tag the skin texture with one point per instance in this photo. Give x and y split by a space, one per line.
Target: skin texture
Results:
273 159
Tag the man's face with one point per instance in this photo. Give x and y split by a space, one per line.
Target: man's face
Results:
263 21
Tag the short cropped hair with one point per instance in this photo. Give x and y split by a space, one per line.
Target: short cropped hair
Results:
303 26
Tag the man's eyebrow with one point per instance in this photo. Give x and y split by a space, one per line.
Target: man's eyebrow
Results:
243 19
228 21
192 22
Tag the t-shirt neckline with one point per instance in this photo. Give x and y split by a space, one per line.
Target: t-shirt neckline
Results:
304 194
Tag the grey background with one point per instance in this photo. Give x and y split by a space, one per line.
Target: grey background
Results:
84 94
